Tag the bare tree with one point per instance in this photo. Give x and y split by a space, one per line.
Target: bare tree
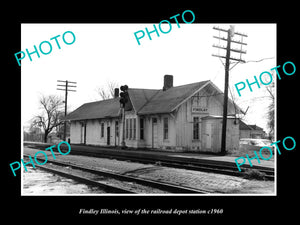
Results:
51 115
271 108
107 91
270 89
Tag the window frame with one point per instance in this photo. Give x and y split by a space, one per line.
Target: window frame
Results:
117 128
102 130
196 128
142 129
134 128
130 128
166 128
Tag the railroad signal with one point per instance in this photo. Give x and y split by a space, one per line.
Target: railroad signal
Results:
124 95
123 100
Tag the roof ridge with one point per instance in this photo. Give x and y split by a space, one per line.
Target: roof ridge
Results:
169 88
148 101
144 89
191 83
103 100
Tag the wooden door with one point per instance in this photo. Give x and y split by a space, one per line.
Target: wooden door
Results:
208 135
82 134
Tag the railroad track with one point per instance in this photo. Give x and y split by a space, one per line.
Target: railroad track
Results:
94 175
226 168
197 166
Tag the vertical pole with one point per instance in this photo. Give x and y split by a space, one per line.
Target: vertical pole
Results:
224 125
123 127
66 102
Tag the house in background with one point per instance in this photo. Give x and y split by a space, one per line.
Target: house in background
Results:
181 118
251 131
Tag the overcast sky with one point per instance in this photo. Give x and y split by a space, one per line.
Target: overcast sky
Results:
110 52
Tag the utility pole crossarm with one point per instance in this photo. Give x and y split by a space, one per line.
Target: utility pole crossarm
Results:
244 35
220 29
233 41
220 56
231 49
224 30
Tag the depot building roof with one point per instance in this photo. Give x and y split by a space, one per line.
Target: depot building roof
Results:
143 102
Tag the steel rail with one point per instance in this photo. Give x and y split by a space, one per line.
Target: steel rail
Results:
105 187
172 188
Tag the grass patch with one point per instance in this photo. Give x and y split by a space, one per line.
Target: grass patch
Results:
254 174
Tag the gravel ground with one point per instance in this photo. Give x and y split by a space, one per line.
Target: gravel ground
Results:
195 179
39 182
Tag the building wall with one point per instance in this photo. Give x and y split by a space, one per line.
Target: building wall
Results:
252 134
75 132
232 135
154 132
94 132
257 134
131 140
245 133
180 128
207 104
212 135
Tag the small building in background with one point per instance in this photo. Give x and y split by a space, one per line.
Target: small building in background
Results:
251 131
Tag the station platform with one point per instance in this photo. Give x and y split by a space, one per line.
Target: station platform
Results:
185 157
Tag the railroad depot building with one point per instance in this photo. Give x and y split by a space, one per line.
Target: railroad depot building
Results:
181 118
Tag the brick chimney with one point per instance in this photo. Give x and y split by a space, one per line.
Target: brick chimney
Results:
116 93
168 82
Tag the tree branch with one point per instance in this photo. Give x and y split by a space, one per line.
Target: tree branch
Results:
259 60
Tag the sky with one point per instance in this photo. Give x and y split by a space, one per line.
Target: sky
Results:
105 53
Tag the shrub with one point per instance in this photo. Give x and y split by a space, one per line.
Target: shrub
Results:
254 174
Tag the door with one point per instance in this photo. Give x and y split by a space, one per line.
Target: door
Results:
82 133
154 133
116 133
208 135
108 136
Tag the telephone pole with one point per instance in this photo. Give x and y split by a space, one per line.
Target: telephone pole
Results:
65 84
230 33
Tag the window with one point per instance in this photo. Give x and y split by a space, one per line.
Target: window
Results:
102 130
141 129
134 128
196 128
117 128
130 128
166 128
127 129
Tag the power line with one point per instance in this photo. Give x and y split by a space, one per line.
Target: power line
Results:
259 60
